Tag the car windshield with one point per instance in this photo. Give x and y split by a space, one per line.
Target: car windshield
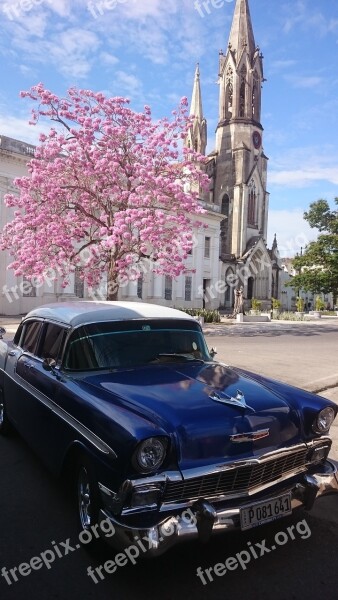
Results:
128 344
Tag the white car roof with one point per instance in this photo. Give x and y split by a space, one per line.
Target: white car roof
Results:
80 312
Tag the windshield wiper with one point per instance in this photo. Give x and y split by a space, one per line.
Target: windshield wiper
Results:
177 355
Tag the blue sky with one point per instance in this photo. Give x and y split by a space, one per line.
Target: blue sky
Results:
147 50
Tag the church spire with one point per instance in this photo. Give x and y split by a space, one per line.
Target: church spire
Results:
196 108
241 34
197 135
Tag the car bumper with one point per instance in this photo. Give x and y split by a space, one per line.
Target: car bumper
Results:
202 519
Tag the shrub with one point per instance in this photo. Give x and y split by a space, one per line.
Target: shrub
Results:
300 303
276 304
289 316
210 316
319 303
256 304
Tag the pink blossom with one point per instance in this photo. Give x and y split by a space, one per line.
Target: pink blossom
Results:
106 187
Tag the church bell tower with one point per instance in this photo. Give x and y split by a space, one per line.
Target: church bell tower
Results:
241 165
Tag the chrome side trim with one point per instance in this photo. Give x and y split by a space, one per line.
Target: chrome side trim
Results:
91 437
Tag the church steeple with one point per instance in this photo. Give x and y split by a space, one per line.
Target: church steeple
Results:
241 164
197 136
241 33
241 71
196 100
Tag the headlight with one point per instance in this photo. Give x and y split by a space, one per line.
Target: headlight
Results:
324 420
150 454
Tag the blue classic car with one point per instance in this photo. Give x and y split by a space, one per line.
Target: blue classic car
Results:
161 441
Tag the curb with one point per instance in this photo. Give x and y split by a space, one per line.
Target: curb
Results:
320 385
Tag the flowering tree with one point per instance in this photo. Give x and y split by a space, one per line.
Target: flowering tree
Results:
107 189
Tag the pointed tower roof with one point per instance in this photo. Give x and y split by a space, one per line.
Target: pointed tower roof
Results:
241 30
196 108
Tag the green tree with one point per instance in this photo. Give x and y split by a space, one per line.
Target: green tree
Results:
317 268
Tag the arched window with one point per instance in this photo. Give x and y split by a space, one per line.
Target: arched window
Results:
250 288
255 101
252 205
229 280
225 205
229 93
242 93
225 210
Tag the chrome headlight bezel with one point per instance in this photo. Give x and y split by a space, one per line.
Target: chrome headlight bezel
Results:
324 420
150 455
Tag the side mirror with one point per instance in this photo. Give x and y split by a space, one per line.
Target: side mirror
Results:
49 364
213 352
2 332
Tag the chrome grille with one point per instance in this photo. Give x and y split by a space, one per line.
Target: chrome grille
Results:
241 480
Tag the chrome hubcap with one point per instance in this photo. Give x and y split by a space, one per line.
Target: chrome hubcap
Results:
84 498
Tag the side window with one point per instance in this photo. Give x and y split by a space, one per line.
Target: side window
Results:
31 336
18 335
52 341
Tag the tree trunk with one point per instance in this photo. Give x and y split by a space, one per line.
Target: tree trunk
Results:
112 283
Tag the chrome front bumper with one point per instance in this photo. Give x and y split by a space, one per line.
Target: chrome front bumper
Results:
204 519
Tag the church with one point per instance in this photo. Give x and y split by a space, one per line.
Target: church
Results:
231 252
237 167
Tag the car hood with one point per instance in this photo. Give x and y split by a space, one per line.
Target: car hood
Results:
201 406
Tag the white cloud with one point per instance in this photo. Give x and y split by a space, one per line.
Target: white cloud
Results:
305 177
300 167
303 15
71 51
293 233
299 81
128 84
281 65
108 59
19 129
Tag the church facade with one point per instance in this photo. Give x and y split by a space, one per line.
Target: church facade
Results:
237 167
231 252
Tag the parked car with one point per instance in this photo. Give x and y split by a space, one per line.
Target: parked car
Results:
129 400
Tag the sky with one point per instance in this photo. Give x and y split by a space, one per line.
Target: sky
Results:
147 50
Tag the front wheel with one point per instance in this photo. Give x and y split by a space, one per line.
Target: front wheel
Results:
88 506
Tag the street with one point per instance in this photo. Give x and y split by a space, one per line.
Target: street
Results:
291 558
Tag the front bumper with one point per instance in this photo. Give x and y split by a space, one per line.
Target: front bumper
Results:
202 519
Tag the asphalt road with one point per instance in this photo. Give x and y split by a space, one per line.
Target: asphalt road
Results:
36 515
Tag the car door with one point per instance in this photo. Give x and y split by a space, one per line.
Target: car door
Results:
18 363
35 414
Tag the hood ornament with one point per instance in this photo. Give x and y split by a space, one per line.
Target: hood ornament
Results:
238 401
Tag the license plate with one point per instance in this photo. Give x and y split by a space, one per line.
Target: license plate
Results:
264 512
